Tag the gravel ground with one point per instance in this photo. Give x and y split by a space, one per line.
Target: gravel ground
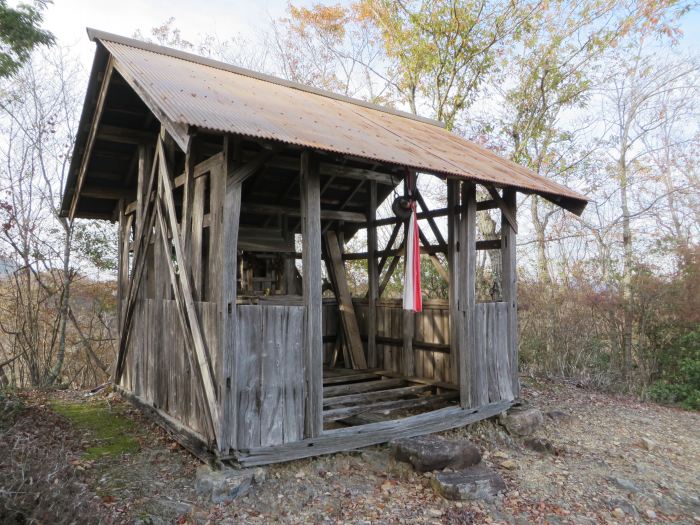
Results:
613 460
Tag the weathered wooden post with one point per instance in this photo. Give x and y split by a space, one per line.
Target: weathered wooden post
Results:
311 280
510 285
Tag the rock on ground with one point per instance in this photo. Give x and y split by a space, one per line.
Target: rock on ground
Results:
522 421
227 484
433 452
476 482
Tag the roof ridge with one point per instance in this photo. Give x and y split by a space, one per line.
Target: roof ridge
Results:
96 34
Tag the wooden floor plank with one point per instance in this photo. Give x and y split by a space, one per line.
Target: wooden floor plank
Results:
349 378
350 438
394 393
335 414
366 386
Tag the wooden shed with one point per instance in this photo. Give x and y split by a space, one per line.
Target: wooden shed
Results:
236 194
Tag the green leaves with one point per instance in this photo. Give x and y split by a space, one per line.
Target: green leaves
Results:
20 33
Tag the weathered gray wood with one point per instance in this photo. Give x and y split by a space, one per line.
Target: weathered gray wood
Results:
217 192
471 373
346 308
507 211
372 277
310 189
183 292
456 318
264 209
348 378
371 434
364 386
249 345
394 393
194 244
440 212
228 255
509 285
292 367
335 414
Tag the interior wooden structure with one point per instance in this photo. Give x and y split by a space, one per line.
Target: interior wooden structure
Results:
226 336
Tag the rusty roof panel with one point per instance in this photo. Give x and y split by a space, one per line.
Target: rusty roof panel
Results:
192 91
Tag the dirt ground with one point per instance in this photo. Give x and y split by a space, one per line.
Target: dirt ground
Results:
615 460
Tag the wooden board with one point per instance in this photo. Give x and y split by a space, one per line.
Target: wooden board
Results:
371 434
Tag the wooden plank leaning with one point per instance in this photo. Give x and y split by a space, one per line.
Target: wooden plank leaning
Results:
143 239
183 294
347 310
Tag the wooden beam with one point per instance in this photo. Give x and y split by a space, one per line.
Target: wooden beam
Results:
389 244
440 212
92 135
123 135
371 434
390 271
244 172
505 208
407 357
327 169
336 215
310 190
472 370
372 278
227 302
348 319
509 286
106 192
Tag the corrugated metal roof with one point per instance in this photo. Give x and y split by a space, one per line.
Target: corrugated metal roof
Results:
194 91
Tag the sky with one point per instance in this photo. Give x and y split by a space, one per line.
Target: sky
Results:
67 19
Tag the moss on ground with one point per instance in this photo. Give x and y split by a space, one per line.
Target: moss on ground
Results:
113 434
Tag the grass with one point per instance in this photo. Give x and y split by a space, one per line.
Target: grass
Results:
112 433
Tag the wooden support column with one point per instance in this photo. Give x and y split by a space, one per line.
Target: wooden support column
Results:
408 360
372 277
510 282
310 189
473 385
227 303
456 318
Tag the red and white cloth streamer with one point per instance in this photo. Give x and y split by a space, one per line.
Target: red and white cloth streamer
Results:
412 299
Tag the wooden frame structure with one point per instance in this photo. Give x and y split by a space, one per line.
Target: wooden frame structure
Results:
225 241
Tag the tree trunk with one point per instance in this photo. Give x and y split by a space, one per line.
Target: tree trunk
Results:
627 269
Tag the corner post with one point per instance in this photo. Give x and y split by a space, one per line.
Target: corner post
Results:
472 379
509 285
311 265
408 359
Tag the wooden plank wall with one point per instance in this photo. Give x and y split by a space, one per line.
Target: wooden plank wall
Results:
157 369
270 376
432 325
492 346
